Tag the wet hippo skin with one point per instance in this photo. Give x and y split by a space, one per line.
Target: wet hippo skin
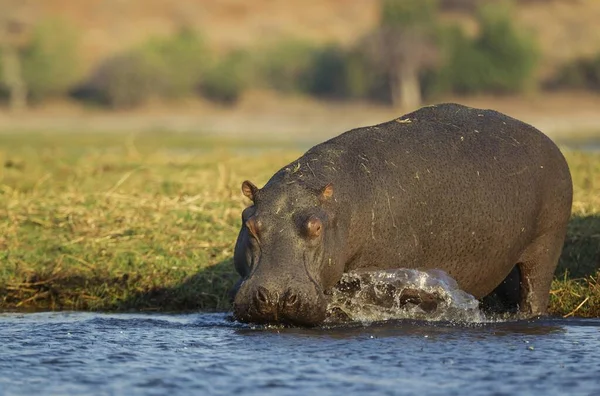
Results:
472 192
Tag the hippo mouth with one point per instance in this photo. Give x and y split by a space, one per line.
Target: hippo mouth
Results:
295 306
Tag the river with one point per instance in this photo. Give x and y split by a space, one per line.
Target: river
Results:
79 353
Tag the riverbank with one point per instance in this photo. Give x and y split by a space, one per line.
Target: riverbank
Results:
265 115
147 221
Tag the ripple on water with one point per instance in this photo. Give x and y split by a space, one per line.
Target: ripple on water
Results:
393 346
412 355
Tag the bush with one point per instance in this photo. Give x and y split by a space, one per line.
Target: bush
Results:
285 66
363 78
163 68
501 59
328 71
50 63
227 79
344 74
126 81
579 74
181 59
325 73
408 13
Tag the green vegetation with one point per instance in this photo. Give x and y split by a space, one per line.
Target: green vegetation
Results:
580 74
577 279
148 221
125 81
500 59
327 71
403 47
51 65
47 65
170 67
328 75
180 60
408 12
285 65
410 53
225 81
112 222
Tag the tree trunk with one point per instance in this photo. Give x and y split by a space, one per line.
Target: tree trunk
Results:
12 77
395 88
410 88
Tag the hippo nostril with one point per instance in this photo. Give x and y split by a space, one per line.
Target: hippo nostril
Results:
291 298
262 295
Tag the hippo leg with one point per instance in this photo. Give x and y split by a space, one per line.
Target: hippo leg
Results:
507 295
537 271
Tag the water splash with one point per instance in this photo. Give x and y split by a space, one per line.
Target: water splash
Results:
401 294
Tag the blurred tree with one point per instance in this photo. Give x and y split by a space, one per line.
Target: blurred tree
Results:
403 45
162 67
342 73
460 5
124 81
181 58
284 66
326 75
13 36
500 59
50 61
582 73
225 81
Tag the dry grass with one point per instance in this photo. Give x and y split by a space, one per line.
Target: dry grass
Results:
105 222
148 222
576 288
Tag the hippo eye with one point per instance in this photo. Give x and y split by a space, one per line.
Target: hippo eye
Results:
253 227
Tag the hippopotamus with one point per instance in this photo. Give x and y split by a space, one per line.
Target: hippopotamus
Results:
474 193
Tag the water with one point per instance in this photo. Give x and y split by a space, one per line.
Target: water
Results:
390 332
101 354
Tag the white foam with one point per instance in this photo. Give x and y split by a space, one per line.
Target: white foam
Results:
402 294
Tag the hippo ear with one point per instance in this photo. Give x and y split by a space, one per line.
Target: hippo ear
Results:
326 192
314 226
249 189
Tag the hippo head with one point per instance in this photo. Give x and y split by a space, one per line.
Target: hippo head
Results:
286 254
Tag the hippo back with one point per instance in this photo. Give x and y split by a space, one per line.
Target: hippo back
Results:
447 187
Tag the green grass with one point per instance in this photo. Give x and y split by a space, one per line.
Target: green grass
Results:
148 221
576 287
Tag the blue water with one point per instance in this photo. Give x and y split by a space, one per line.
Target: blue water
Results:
130 354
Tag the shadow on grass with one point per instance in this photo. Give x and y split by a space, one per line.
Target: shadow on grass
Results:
207 290
576 271
581 253
576 286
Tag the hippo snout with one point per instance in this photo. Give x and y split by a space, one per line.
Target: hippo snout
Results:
304 306
266 301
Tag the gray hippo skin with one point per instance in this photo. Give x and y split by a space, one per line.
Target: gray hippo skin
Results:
472 192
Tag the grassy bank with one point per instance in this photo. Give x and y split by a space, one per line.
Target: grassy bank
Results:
148 222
